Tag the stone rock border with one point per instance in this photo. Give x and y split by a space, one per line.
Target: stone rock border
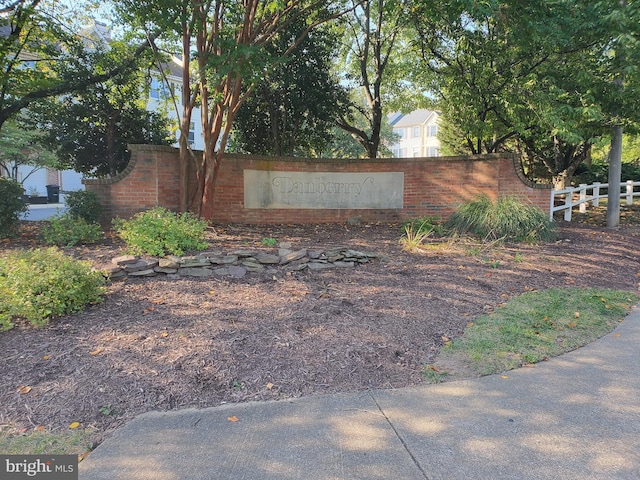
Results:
236 264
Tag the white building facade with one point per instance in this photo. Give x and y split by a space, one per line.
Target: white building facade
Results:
417 132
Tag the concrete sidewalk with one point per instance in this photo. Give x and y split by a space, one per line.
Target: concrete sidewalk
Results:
574 417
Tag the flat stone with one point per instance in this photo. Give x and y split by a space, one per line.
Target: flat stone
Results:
195 272
170 261
237 272
284 251
354 253
319 266
293 256
124 260
253 266
143 273
140 265
194 261
222 271
245 253
335 258
299 267
335 251
266 258
224 259
166 270
118 274
285 245
315 253
344 264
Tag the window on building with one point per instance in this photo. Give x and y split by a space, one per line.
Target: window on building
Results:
432 130
192 133
399 132
158 90
433 152
417 132
416 151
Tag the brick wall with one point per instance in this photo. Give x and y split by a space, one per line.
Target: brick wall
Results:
433 186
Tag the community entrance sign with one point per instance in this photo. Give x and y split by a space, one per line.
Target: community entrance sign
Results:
323 190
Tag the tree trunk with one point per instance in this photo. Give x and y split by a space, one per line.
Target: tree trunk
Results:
615 168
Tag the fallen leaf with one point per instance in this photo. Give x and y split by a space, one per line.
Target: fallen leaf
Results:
151 309
616 334
46 357
39 428
529 365
96 351
212 292
470 279
74 425
158 301
164 334
504 377
572 325
576 314
269 386
488 275
470 324
23 389
233 418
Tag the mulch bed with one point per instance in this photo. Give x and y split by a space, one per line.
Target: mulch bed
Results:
160 344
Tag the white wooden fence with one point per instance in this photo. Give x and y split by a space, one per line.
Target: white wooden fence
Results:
584 194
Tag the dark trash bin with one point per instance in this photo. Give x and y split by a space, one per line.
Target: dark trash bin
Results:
53 193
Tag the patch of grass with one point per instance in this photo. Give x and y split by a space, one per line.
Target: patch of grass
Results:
508 218
45 442
537 325
413 238
431 374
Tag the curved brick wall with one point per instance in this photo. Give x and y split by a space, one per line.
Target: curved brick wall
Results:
432 186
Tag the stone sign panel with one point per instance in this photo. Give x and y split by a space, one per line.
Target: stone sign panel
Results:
323 190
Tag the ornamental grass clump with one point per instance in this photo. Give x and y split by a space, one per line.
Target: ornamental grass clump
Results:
508 218
37 285
159 232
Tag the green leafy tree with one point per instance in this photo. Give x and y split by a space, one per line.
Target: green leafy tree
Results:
293 109
43 53
22 145
226 41
90 130
373 65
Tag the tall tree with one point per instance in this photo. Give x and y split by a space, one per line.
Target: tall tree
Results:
292 110
42 55
226 41
90 131
371 60
20 146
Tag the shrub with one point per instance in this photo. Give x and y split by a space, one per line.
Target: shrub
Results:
508 218
65 231
11 206
159 232
39 284
84 204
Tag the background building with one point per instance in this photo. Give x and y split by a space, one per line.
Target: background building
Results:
418 132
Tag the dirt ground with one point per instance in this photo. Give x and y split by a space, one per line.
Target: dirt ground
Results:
160 344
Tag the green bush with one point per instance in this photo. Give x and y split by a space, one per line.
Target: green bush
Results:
84 204
599 172
509 218
11 206
37 285
65 231
159 232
